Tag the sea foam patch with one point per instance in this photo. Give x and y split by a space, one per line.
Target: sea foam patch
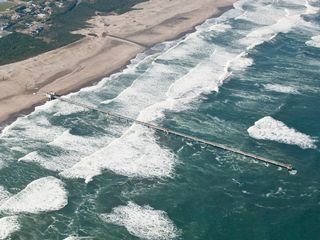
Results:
135 154
53 163
4 194
176 87
310 8
143 222
268 128
73 148
266 33
42 195
34 129
78 238
8 225
280 88
282 17
254 11
314 42
2 162
208 75
220 27
72 238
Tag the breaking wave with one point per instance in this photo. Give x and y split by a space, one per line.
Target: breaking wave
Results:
314 42
172 76
143 222
175 74
4 194
268 128
42 195
8 225
142 157
281 88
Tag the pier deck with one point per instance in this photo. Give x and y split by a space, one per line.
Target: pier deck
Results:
289 167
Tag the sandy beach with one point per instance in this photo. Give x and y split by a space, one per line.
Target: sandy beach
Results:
108 45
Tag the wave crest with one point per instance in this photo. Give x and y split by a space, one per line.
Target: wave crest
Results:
268 128
143 222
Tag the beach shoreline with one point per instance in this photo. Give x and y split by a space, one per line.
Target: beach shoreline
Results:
112 40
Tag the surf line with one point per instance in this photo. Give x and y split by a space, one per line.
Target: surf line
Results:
289 167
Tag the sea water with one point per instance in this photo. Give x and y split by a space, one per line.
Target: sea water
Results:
249 79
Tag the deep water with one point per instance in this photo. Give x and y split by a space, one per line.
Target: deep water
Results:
249 79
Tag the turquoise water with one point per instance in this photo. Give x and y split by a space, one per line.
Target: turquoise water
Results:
247 79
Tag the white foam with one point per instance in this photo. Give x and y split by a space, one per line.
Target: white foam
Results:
135 154
35 128
140 59
281 17
179 50
199 80
206 77
74 148
143 222
267 33
240 4
268 128
310 9
8 226
54 163
4 195
38 128
78 238
42 195
258 13
70 142
2 164
314 42
155 111
63 108
142 157
240 62
181 88
220 27
281 88
153 83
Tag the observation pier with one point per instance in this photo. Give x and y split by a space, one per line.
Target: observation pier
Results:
287 166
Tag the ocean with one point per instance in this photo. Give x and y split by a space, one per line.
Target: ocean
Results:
249 79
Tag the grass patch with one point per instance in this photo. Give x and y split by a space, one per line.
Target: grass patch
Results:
4 6
17 46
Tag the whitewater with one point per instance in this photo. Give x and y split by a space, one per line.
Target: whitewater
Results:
248 79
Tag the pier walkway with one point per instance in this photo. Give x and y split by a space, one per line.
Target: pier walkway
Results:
289 167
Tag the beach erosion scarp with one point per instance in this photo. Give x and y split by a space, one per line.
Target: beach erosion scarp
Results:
109 44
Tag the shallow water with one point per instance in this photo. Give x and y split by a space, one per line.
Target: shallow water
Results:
247 79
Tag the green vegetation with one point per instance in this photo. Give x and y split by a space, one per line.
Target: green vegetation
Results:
75 17
4 6
18 46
